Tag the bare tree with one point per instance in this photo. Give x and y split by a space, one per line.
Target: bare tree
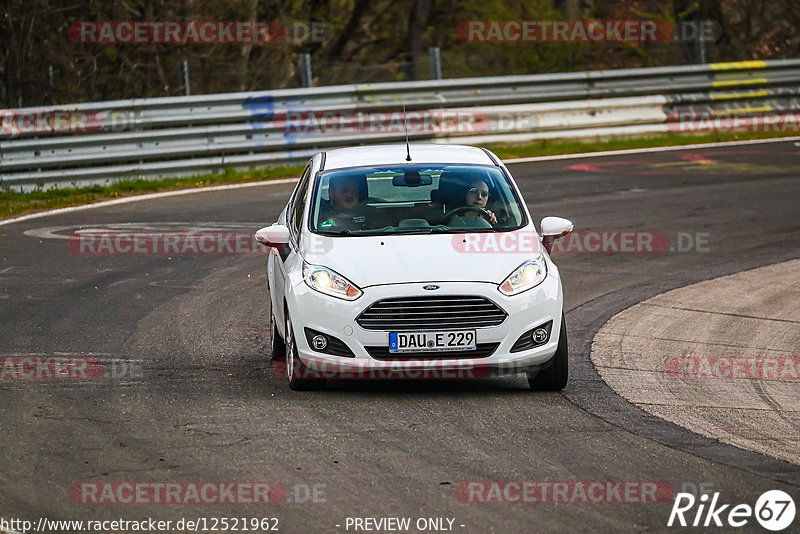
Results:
417 20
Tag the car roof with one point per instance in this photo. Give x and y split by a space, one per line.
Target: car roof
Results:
396 154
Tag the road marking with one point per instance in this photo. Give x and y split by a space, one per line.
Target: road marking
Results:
54 232
626 151
149 196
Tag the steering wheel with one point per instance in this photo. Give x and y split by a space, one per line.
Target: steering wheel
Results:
452 213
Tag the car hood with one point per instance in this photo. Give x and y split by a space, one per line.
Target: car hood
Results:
390 259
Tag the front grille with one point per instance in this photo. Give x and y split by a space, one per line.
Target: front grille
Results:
431 313
482 350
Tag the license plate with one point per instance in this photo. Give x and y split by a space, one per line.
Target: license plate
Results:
443 341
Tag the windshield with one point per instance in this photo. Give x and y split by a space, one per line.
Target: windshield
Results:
414 198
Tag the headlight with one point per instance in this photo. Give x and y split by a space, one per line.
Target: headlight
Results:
329 282
529 274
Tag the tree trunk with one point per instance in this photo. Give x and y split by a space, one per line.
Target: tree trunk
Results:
417 21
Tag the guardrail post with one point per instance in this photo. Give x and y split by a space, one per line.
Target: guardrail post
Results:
701 48
185 67
436 63
305 70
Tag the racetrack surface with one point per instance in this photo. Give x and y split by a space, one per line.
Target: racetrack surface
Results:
207 406
736 379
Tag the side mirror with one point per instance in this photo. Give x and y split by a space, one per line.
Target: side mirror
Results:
553 228
275 236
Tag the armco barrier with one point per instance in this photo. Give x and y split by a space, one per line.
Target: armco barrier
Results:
102 141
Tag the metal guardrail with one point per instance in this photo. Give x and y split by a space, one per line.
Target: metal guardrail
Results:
207 133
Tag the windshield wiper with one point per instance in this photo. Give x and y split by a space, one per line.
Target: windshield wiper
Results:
472 230
425 230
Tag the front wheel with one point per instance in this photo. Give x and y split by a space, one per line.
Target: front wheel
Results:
554 377
277 347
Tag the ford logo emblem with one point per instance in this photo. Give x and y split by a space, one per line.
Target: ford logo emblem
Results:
430 287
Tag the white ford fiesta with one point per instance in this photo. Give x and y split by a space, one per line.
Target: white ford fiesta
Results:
413 262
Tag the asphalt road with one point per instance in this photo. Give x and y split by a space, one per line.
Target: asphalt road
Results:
206 405
744 325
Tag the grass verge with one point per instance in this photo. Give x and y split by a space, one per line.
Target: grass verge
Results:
551 148
14 203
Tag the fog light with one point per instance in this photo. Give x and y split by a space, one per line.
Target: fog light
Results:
319 342
539 335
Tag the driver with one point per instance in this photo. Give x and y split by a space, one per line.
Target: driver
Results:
344 194
478 196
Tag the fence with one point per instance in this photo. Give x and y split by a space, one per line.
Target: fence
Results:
102 141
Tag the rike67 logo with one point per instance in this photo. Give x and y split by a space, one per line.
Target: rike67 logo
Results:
774 510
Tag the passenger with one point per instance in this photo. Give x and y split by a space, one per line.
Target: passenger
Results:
347 208
344 193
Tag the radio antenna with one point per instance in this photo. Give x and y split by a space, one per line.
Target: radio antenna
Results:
405 127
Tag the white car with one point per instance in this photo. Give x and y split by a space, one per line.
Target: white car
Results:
417 261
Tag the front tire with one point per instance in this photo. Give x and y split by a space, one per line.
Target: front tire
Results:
277 347
295 368
555 376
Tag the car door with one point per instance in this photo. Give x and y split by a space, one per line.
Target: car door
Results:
282 262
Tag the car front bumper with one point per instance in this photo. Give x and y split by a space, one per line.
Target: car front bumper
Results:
337 318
